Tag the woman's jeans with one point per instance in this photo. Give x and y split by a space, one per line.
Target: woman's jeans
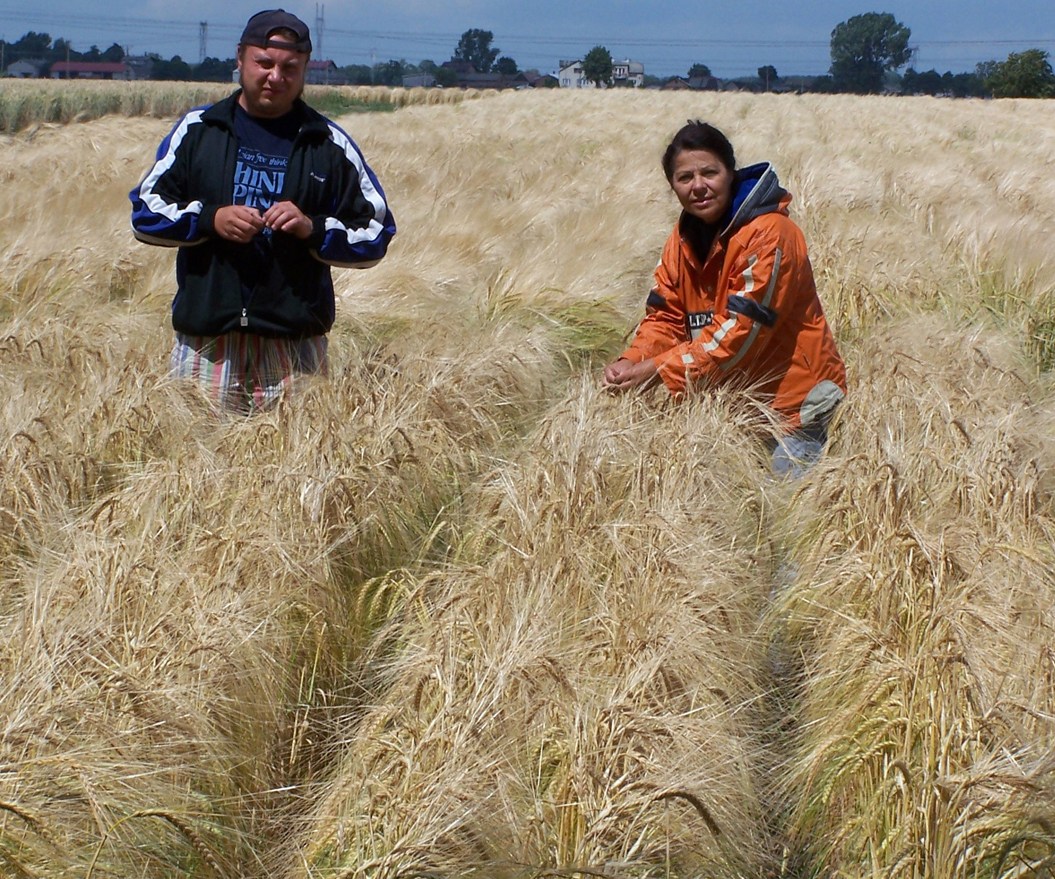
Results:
794 453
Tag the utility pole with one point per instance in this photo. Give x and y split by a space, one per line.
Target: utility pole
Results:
320 24
203 40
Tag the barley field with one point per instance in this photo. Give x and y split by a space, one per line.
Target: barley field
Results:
455 611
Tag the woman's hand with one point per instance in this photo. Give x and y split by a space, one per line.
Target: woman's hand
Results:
624 375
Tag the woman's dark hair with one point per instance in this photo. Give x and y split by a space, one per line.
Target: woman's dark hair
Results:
698 135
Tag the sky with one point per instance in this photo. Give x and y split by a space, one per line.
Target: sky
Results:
667 36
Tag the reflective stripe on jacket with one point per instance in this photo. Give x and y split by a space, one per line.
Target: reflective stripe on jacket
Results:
748 314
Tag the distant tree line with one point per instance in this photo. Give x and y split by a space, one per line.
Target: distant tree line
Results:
866 52
210 70
33 46
474 49
868 49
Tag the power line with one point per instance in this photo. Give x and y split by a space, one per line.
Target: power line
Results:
97 21
659 53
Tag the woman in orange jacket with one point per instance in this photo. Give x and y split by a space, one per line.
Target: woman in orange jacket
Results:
734 299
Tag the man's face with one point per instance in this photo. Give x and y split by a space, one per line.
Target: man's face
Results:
271 79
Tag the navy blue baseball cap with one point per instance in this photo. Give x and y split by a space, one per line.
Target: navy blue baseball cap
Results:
259 28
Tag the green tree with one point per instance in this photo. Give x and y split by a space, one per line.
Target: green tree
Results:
475 47
427 65
358 74
962 85
30 45
507 66
985 69
864 47
767 75
215 70
59 49
174 69
1023 75
597 66
699 70
115 53
929 82
389 73
823 85
446 77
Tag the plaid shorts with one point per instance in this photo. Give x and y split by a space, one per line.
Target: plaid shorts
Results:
243 371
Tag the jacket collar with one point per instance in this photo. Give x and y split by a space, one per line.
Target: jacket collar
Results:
757 191
222 113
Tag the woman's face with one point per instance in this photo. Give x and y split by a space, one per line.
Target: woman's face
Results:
703 185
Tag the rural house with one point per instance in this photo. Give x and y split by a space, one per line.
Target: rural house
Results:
694 83
469 78
90 70
541 80
570 75
324 73
139 66
624 73
28 68
628 72
419 80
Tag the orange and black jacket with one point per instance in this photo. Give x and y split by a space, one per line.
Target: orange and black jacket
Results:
738 304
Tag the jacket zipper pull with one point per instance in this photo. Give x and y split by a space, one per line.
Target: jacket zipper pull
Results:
245 319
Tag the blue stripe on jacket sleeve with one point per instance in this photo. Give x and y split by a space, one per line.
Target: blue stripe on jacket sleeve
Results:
355 246
157 219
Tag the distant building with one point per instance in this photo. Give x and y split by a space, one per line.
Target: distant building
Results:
799 84
492 81
324 73
29 68
468 78
419 80
623 73
90 70
541 80
694 83
570 75
628 72
140 66
705 83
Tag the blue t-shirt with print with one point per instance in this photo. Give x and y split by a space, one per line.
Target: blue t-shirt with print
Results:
264 147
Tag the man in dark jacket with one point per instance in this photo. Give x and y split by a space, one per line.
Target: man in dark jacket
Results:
261 194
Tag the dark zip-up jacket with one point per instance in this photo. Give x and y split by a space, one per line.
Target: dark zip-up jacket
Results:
224 286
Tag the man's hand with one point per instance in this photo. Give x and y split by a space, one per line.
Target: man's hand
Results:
238 223
284 216
624 375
